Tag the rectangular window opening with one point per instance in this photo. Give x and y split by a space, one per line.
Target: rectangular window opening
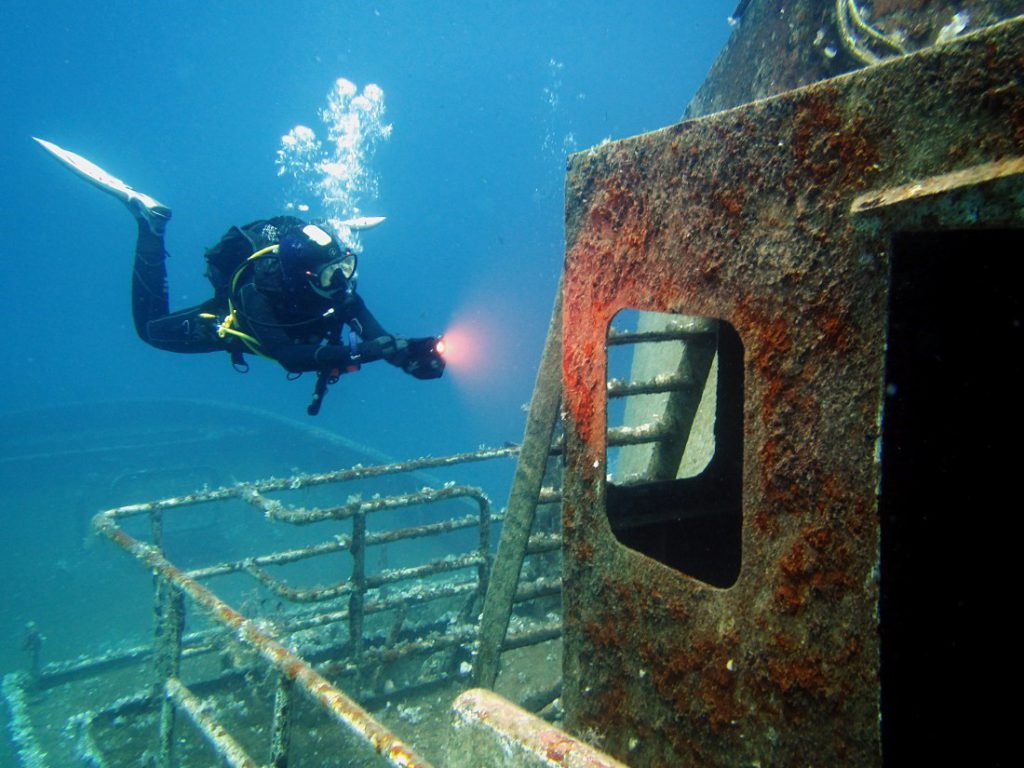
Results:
675 441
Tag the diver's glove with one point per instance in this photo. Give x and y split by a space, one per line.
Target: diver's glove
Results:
423 357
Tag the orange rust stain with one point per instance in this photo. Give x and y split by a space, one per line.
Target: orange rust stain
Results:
556 746
695 678
584 551
765 521
794 562
731 200
785 642
789 598
833 151
832 326
818 563
607 634
803 674
820 538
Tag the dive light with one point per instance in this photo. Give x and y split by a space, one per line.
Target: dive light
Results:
426 357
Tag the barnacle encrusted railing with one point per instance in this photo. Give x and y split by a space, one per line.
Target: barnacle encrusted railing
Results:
387 590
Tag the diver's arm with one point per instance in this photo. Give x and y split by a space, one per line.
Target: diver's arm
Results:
361 319
421 358
378 343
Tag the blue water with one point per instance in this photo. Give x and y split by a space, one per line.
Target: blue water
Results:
188 102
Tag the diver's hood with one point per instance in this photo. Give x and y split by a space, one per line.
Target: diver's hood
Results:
309 257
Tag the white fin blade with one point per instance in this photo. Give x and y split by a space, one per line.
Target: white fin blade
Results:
363 222
95 175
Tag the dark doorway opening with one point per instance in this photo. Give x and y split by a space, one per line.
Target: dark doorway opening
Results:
950 495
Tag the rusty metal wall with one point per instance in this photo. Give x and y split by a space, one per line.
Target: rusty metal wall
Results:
747 216
779 45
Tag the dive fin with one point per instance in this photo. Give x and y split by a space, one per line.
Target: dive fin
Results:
142 206
363 222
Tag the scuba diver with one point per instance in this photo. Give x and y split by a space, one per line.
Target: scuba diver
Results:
284 289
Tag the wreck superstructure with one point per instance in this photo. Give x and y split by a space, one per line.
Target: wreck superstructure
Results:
731 616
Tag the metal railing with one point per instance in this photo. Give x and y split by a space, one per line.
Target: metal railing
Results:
366 593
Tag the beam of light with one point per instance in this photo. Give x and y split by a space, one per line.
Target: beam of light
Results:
465 349
482 352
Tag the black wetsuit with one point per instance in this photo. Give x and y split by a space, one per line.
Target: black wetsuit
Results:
300 329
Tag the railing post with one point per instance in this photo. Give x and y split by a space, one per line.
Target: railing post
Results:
156 528
487 559
356 600
280 733
170 622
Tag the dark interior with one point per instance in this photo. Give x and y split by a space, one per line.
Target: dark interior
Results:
950 495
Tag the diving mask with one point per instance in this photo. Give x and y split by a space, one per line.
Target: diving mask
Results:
333 277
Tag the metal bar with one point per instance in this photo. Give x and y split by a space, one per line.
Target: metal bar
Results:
642 433
358 582
305 481
197 643
420 646
416 595
535 636
542 587
275 510
622 338
317 594
490 730
199 713
544 542
339 544
933 186
156 528
619 436
679 408
419 594
334 702
58 673
383 649
428 529
522 505
281 727
310 595
666 382
484 569
170 623
442 565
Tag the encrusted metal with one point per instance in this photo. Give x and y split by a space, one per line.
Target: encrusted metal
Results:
333 701
489 731
279 653
776 218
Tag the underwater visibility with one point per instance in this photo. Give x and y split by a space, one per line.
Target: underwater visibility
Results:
587 385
